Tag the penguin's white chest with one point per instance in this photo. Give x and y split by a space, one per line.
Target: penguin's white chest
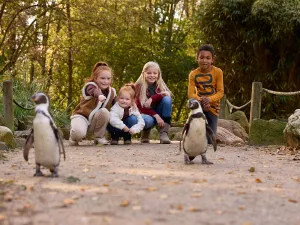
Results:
195 142
45 144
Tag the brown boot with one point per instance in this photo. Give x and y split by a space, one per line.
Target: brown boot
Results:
164 138
145 136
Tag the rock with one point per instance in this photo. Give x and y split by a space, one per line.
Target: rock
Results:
240 117
234 128
20 142
175 133
264 132
7 137
22 133
225 137
3 146
292 130
154 134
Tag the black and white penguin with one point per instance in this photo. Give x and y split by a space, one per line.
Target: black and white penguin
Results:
196 133
48 144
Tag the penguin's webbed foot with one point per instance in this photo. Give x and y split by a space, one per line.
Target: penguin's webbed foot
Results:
187 160
54 172
204 160
38 172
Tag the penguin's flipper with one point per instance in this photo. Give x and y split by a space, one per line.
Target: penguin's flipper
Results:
62 147
28 145
212 137
60 142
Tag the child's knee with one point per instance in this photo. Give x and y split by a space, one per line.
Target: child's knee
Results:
167 100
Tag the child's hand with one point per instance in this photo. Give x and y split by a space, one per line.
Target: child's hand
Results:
165 93
205 103
126 129
131 131
159 120
101 98
147 103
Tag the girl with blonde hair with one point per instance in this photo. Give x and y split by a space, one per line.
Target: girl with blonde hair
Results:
154 102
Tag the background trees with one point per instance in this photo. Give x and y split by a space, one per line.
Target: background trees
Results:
55 43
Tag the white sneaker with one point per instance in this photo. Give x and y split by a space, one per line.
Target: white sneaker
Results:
102 141
73 143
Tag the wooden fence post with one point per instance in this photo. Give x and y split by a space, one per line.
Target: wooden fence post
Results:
224 112
8 104
255 101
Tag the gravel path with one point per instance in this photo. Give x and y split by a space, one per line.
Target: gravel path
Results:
149 184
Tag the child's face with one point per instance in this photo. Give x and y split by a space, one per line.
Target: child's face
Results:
205 60
124 100
151 75
103 80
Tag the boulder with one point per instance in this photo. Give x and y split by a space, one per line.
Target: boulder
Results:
292 130
241 118
264 132
7 137
234 128
225 137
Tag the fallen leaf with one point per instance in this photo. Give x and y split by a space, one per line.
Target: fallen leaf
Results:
252 169
92 177
179 207
193 209
68 201
195 195
196 181
258 180
105 185
83 188
296 178
241 207
221 158
293 200
151 189
2 217
85 170
136 207
278 186
72 179
163 196
124 203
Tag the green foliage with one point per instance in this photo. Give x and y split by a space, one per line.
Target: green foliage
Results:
255 40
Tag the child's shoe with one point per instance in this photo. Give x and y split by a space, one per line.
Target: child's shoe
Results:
73 143
114 140
102 141
127 142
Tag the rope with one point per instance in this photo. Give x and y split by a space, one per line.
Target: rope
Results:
21 106
236 107
281 93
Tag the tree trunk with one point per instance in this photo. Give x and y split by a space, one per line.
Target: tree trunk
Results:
70 52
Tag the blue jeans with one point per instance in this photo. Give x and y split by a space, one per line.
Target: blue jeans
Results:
163 109
117 133
212 120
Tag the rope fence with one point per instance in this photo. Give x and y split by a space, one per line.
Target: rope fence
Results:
257 93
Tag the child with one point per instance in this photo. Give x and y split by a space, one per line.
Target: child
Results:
91 114
207 80
125 118
154 102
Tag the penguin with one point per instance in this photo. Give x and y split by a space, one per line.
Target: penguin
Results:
48 144
195 134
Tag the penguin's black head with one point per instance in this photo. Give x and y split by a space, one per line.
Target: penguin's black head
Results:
193 103
40 98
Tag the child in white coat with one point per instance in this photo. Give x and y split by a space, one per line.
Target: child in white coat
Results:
124 117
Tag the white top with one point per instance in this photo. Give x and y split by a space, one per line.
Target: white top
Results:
116 114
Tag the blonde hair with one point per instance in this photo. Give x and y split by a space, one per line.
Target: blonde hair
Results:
143 85
129 88
97 69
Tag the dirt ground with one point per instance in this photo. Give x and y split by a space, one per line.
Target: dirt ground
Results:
150 184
